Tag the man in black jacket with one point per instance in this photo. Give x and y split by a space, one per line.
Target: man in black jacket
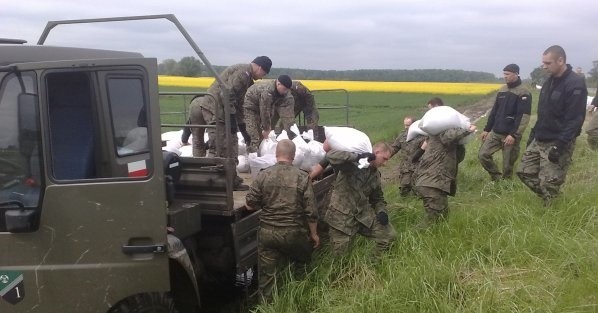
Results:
561 112
506 123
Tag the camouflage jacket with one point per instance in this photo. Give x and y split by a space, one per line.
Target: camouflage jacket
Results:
438 166
239 78
304 102
284 194
356 195
263 99
406 150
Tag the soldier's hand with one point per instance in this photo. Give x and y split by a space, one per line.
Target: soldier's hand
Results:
509 140
484 135
265 133
370 156
316 239
382 218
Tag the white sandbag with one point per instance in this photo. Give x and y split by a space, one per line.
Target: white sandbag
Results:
186 151
283 135
308 135
301 151
173 146
268 147
415 131
256 164
241 143
243 166
347 139
172 135
316 154
441 118
295 129
589 101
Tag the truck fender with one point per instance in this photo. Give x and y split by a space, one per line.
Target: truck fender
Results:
178 253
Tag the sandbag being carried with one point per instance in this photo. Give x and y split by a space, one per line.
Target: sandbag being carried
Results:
441 118
347 139
414 131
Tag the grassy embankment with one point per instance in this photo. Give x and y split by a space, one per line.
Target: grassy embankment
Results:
500 250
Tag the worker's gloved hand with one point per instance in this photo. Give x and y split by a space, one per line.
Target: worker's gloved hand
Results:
370 156
417 155
382 218
243 130
556 151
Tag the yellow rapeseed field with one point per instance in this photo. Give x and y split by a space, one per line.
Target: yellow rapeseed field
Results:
407 87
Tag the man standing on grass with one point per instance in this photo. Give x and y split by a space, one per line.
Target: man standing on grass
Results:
357 204
304 102
506 123
288 220
561 113
407 150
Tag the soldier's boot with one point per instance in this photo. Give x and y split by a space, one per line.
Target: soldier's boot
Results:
238 184
405 191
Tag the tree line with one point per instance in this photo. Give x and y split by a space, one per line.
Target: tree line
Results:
192 67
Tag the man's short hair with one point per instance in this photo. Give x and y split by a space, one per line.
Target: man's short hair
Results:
557 51
285 148
382 146
435 102
409 117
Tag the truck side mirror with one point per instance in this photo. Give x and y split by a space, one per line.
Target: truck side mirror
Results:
28 122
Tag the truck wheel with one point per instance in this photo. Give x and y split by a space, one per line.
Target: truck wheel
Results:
146 303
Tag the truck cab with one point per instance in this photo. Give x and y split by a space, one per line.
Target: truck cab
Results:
94 216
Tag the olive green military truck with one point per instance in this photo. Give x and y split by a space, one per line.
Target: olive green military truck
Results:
94 216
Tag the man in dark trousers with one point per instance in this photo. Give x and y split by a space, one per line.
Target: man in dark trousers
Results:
561 112
506 123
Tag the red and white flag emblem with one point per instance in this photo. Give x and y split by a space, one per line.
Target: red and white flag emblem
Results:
137 168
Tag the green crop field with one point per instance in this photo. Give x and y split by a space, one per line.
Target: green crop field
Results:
499 251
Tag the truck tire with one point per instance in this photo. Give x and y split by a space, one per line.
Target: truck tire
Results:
146 303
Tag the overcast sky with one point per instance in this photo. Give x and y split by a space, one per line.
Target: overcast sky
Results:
482 35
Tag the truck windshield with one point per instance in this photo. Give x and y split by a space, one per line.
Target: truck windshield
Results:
20 174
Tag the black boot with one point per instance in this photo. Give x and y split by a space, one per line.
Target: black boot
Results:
238 184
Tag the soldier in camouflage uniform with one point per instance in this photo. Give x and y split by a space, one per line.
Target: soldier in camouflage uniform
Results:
288 217
266 103
506 123
561 113
357 204
437 172
304 102
407 150
209 110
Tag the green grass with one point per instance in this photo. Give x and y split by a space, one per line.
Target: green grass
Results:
499 251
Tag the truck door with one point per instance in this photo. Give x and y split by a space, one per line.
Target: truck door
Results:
96 190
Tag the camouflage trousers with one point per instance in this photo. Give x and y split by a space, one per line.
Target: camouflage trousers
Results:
592 132
406 182
435 202
254 129
216 146
491 145
277 247
539 174
383 236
